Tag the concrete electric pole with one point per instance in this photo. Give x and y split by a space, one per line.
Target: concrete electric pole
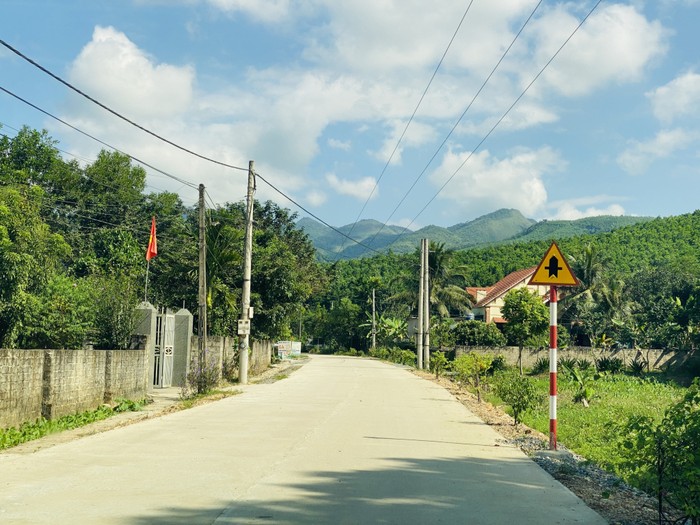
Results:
246 314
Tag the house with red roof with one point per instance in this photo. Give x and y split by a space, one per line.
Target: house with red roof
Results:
489 300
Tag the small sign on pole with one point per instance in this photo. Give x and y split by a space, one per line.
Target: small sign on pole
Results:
553 270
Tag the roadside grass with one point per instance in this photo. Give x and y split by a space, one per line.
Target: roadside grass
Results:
194 399
13 436
593 432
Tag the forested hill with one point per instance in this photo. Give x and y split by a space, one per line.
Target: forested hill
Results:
671 242
505 225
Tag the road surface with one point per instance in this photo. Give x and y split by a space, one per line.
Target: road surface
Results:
340 441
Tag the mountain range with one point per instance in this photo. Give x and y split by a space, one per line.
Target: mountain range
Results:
502 226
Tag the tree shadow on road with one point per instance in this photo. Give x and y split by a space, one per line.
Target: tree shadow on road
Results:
405 491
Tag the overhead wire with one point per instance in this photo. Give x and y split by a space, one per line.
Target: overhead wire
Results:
454 127
182 181
144 129
503 116
410 120
113 112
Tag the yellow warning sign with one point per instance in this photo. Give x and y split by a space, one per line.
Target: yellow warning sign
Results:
554 270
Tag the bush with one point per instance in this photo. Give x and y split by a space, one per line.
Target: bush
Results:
614 365
663 458
438 363
541 366
478 333
380 353
638 367
498 364
470 368
520 392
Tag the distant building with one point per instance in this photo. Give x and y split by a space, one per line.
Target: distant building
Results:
489 300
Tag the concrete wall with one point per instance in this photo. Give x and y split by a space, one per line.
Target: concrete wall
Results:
657 359
21 373
223 350
55 383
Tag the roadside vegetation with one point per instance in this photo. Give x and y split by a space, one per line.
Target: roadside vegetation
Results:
11 437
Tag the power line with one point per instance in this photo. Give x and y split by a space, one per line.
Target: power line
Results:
182 181
410 120
498 122
454 127
115 113
182 148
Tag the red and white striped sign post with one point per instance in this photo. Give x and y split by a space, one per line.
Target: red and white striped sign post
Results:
553 271
553 368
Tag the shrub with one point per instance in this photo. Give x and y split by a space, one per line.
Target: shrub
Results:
638 367
663 458
478 333
566 364
541 366
380 353
614 365
584 364
498 364
470 368
520 392
438 363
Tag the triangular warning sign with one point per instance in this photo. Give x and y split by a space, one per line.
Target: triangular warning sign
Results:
554 269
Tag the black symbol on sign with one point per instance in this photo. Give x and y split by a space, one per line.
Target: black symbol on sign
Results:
553 267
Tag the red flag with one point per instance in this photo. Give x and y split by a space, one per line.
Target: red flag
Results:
152 249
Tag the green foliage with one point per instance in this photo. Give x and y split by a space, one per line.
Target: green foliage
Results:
614 365
438 363
470 368
520 392
395 355
541 366
526 314
12 436
639 366
478 333
663 457
202 376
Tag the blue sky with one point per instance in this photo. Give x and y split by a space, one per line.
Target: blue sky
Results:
318 92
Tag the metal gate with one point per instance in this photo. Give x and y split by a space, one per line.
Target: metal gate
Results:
163 350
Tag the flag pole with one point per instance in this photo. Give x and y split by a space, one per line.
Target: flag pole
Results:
145 293
151 252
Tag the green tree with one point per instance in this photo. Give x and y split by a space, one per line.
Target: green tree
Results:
478 333
518 391
527 318
664 457
471 368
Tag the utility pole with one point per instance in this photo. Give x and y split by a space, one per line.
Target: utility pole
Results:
244 321
202 296
421 291
426 306
374 321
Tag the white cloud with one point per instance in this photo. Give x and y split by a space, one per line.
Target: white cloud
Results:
269 11
340 144
677 99
485 183
616 44
112 69
416 135
316 198
571 210
640 155
359 189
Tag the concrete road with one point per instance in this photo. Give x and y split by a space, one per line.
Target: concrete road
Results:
342 440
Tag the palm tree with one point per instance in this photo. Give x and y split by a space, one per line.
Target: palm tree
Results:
447 286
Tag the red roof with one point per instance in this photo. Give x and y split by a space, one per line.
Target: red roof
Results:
505 284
